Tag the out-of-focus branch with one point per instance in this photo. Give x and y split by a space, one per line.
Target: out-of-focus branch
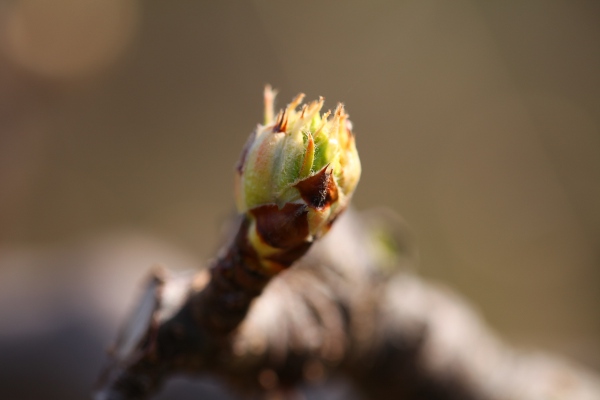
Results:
340 311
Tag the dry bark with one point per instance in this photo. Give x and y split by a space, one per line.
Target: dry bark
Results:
343 310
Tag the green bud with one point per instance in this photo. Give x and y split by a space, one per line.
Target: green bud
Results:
299 159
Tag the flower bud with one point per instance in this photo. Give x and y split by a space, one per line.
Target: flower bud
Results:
296 174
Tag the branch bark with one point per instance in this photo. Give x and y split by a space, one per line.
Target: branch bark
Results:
342 310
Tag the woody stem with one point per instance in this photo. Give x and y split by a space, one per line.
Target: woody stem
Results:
239 275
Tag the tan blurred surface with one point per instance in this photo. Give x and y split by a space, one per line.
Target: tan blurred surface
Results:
477 121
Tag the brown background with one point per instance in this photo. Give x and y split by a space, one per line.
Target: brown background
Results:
477 121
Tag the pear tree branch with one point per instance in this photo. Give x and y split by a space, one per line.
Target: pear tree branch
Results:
286 303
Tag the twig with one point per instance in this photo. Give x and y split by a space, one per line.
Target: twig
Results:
342 310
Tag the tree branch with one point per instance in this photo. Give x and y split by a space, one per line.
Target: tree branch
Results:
341 310
344 309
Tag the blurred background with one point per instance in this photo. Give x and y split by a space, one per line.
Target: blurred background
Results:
121 121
